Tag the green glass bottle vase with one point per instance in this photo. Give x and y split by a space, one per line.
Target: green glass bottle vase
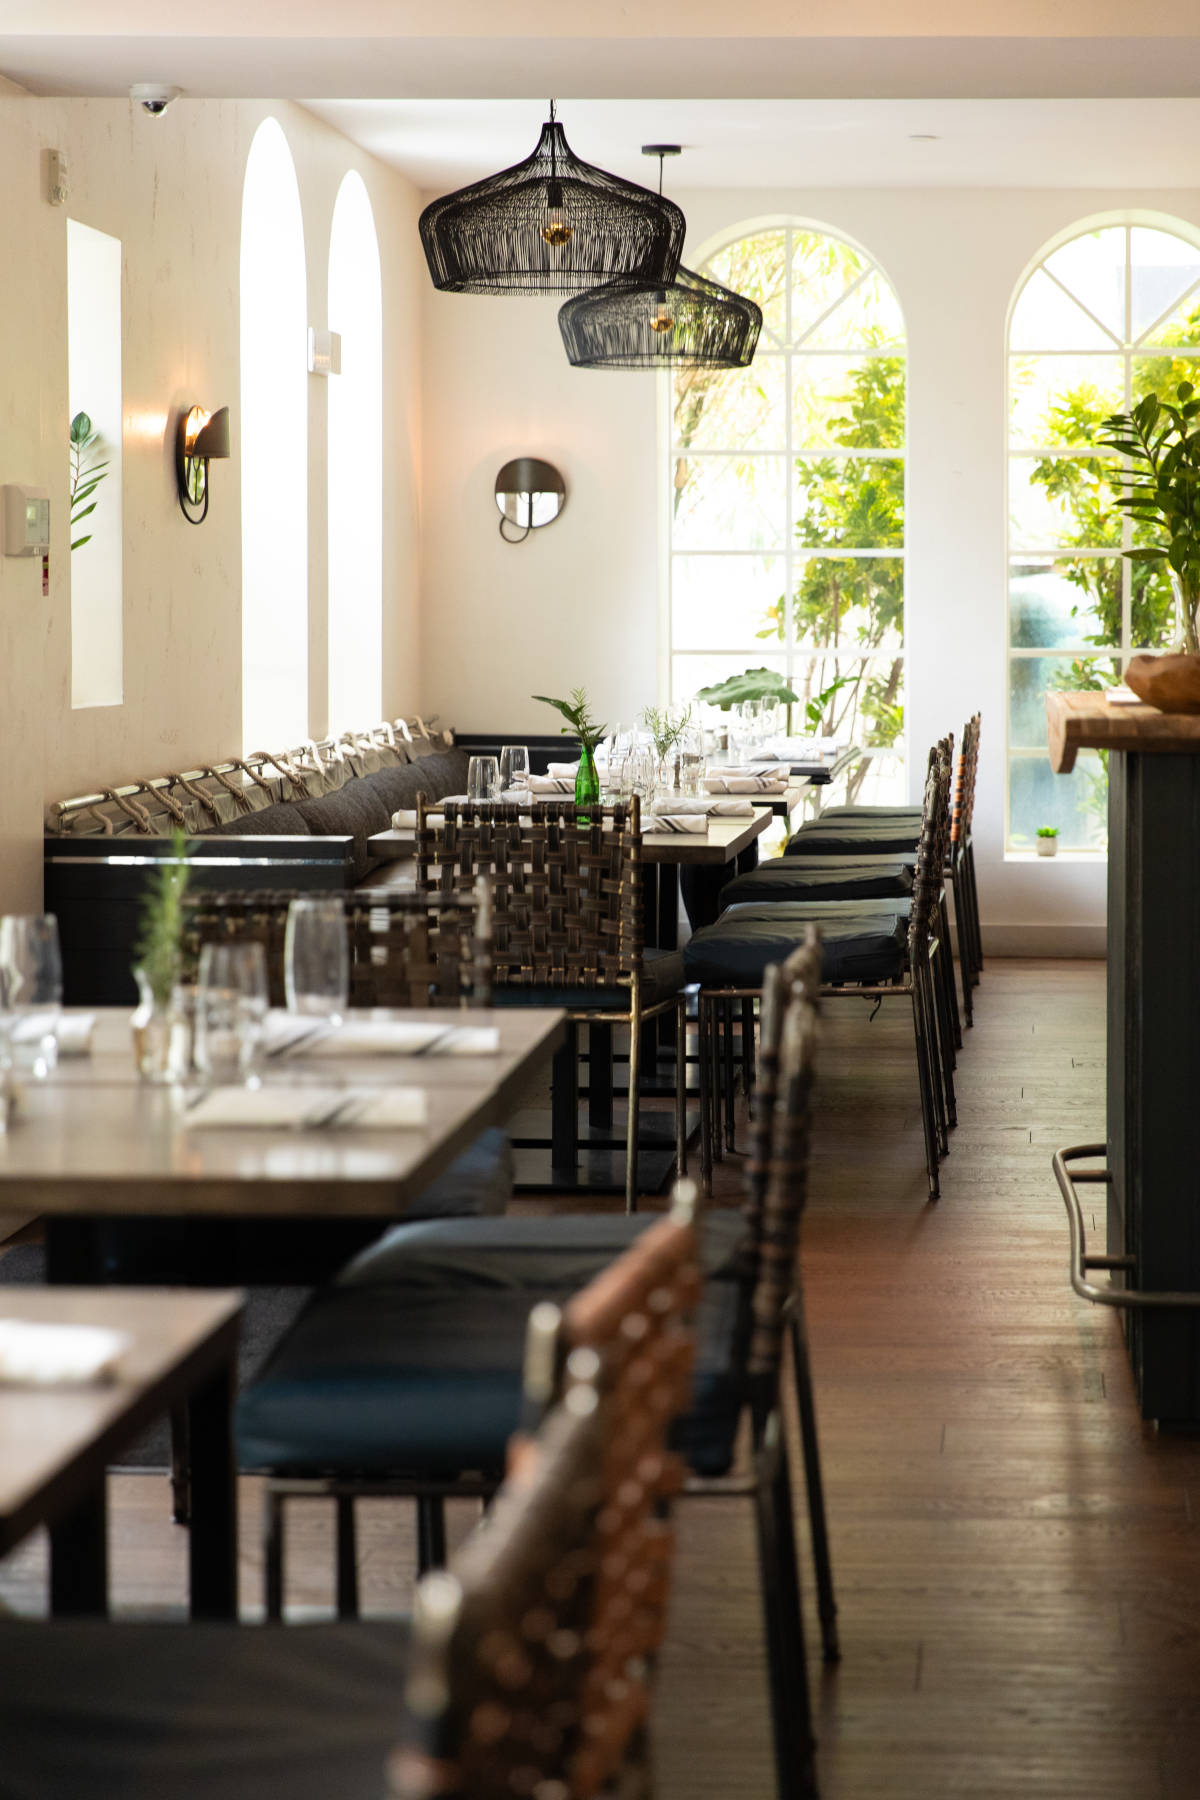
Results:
587 782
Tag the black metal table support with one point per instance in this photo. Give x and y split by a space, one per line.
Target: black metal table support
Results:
79 1558
212 1538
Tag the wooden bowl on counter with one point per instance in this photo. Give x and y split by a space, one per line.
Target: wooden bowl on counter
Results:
1171 683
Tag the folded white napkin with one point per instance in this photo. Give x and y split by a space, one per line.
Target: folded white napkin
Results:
751 766
693 823
379 1037
38 1354
712 804
551 784
73 1031
561 770
281 1108
744 784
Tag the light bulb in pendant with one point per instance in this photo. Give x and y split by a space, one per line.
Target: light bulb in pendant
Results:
556 232
661 319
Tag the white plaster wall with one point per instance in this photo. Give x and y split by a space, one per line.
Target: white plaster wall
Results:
580 602
171 191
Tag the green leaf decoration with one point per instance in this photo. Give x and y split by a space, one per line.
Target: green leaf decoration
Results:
86 472
577 712
751 684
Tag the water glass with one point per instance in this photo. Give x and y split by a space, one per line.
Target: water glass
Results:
316 959
231 1012
514 767
691 761
483 778
30 991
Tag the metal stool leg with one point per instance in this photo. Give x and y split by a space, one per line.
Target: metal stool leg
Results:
806 1411
273 1553
431 1533
791 1711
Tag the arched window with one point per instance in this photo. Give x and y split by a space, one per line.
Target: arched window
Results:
355 464
1107 317
787 512
274 448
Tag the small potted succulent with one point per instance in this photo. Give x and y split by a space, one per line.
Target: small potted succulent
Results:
1047 840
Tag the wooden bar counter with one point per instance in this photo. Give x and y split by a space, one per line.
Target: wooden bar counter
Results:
1153 1021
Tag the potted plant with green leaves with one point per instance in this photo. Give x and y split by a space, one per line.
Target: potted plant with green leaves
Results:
577 712
667 727
1047 840
159 951
1160 488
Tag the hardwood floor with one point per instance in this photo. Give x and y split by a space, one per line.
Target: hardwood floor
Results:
1016 1554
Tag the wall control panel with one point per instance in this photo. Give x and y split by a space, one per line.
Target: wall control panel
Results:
26 521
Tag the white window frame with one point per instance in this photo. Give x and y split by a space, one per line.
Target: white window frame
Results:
1128 349
790 555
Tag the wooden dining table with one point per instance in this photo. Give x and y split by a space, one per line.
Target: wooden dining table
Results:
94 1143
56 1443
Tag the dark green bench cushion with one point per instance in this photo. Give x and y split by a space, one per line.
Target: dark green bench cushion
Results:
859 837
662 976
821 878
861 942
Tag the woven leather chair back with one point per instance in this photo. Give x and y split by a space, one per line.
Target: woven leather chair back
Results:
405 949
786 1188
964 792
933 848
566 885
531 1677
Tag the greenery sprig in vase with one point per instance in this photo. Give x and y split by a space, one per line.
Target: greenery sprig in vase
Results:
577 712
159 954
1161 488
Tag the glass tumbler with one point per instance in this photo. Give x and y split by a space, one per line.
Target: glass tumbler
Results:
30 991
316 959
483 778
514 767
231 1011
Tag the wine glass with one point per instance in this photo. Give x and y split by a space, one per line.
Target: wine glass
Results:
514 767
483 778
30 990
316 958
231 1011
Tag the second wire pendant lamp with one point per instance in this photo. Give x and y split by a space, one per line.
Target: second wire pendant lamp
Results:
550 225
691 321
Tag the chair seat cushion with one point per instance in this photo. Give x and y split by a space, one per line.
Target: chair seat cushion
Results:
662 977
821 878
861 837
563 1250
198 1711
860 942
399 1379
897 815
389 1379
353 810
478 1183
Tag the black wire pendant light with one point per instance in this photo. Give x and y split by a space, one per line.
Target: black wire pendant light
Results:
692 320
550 225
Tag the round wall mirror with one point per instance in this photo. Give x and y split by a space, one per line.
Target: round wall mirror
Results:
529 494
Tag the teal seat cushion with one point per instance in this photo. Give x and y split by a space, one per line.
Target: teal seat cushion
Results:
396 1378
860 941
662 977
199 1711
560 1251
477 1183
821 878
389 1379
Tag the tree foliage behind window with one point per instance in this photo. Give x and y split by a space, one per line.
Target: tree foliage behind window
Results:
788 495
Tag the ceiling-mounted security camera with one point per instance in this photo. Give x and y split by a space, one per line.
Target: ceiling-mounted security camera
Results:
154 97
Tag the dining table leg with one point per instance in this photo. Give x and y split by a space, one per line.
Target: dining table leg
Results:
212 1537
79 1557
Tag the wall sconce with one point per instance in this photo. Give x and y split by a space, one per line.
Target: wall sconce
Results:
200 436
529 493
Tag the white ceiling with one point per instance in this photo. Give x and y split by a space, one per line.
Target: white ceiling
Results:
442 144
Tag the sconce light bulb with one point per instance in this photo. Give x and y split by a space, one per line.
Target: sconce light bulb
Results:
661 319
197 419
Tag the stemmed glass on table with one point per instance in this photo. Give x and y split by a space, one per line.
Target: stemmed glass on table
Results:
30 991
231 1012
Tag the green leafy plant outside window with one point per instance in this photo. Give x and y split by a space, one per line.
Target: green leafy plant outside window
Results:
86 473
